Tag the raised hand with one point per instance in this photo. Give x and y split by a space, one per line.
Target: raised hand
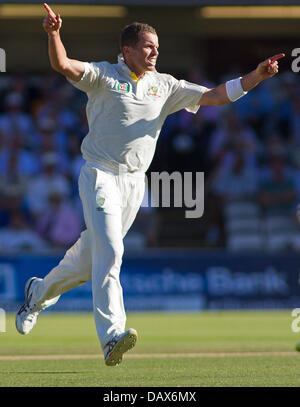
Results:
269 67
52 22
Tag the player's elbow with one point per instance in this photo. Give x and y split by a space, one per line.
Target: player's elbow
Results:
220 96
60 68
59 64
222 102
218 102
213 97
65 71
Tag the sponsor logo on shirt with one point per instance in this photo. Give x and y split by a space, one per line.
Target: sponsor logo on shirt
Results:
153 91
123 87
100 202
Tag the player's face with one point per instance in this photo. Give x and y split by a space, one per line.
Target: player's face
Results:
143 56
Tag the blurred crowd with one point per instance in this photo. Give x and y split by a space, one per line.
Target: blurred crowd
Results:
249 151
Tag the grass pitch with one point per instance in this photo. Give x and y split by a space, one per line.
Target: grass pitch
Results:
183 349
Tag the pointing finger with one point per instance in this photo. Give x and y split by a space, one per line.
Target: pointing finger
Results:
49 10
276 57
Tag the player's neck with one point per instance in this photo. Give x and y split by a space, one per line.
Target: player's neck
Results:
138 73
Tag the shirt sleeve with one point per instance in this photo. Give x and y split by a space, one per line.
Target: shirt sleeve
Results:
184 95
92 77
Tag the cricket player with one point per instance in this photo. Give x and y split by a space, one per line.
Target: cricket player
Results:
128 103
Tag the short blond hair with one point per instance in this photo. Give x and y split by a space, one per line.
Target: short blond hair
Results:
130 34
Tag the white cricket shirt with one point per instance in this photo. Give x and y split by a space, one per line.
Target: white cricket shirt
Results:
125 115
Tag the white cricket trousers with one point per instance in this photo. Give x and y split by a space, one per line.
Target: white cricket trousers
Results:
110 204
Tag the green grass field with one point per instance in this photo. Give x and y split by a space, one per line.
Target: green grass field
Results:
186 349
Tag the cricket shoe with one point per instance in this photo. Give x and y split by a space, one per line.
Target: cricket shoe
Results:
114 349
28 313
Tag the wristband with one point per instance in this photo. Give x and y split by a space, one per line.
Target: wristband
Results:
234 89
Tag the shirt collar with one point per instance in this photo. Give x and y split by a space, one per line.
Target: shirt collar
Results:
126 69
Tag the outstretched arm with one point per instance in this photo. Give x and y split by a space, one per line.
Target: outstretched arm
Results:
219 96
59 60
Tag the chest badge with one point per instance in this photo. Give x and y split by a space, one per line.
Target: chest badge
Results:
123 87
153 91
